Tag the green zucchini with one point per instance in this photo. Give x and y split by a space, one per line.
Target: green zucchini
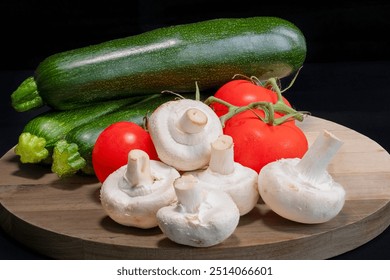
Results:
209 52
39 135
74 152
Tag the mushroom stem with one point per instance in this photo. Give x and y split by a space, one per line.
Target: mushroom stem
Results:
193 121
138 171
188 192
222 155
316 160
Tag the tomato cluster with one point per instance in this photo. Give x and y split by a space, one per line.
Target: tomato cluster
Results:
256 142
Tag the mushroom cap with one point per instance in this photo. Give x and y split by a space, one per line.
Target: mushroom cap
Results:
183 150
241 185
216 220
295 198
138 208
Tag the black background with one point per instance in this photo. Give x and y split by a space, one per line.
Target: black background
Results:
335 30
344 79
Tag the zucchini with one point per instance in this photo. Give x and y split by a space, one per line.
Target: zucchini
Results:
39 135
74 152
209 52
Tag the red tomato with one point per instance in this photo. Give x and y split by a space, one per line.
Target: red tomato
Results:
241 93
113 145
257 143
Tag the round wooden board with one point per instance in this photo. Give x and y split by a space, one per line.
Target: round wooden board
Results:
63 218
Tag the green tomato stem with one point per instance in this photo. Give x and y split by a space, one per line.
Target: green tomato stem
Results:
269 108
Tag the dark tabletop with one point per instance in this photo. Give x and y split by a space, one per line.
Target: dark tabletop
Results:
345 78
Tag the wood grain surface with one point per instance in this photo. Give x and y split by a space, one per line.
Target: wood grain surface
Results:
63 218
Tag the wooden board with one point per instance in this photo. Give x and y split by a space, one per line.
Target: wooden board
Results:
63 218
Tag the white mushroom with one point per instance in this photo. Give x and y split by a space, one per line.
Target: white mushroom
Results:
201 217
132 194
302 190
225 174
182 131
